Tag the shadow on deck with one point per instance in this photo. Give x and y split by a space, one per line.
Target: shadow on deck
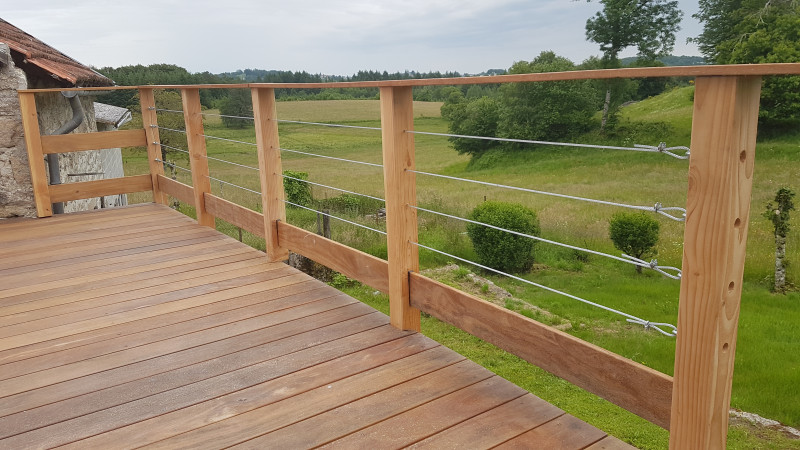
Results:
136 326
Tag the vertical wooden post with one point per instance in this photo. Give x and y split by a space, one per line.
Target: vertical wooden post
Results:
717 215
397 117
33 145
197 153
270 169
149 118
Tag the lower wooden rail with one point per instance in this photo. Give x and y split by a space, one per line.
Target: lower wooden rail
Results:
182 192
99 188
637 388
358 265
78 142
244 218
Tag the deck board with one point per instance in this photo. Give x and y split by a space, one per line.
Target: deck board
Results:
137 327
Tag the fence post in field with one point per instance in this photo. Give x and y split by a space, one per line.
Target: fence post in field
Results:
717 215
397 117
33 144
270 169
150 117
197 153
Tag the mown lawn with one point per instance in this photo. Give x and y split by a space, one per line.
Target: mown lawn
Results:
767 369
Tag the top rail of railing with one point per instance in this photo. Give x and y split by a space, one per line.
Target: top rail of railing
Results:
601 74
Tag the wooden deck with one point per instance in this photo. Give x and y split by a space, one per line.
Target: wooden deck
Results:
136 326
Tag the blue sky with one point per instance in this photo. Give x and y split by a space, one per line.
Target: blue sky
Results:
318 36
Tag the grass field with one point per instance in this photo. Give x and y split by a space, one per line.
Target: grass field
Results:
768 364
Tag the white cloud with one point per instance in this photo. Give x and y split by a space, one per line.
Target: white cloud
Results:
327 36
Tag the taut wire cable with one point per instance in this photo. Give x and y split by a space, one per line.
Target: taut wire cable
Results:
631 318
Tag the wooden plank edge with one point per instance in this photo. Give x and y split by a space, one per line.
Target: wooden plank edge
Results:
353 263
181 191
100 188
79 142
244 218
628 384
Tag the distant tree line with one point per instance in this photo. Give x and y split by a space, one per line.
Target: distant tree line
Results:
170 74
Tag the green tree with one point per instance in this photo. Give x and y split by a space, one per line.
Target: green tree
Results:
635 234
546 110
238 104
297 191
498 249
532 111
757 31
778 214
478 117
649 25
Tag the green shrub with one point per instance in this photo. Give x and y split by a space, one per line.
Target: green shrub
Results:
297 192
634 234
498 249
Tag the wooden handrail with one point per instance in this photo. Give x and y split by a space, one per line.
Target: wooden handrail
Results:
633 72
693 405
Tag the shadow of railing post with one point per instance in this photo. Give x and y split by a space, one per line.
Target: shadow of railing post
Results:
717 215
397 117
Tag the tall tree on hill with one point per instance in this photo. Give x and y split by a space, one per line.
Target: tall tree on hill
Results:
650 25
757 31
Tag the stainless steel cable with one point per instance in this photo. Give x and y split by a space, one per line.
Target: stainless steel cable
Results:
657 208
332 125
168 129
234 185
332 157
173 165
626 259
232 163
334 188
335 217
630 318
172 148
227 115
660 148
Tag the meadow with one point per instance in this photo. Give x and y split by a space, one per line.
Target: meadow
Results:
767 368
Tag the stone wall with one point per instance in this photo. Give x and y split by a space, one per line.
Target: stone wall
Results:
54 110
16 191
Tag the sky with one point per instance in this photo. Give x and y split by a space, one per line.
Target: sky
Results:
333 37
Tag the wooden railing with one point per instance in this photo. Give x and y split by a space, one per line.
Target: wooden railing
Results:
693 405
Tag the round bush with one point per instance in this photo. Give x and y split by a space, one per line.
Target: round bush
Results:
297 192
498 249
635 234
